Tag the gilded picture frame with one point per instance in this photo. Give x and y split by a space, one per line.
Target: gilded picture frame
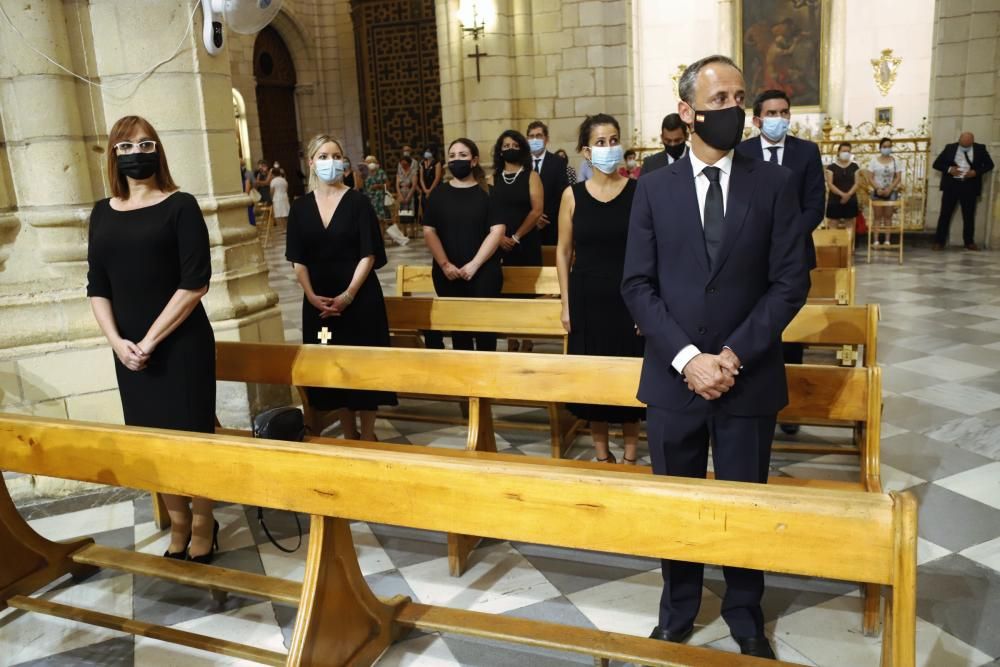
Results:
883 116
784 44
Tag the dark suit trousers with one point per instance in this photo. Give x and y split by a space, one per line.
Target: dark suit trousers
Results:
963 193
678 446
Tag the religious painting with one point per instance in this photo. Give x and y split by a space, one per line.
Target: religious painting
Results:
883 115
782 45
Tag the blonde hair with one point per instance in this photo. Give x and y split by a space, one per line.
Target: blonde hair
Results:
312 148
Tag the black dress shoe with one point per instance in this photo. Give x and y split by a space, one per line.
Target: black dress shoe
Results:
207 558
789 429
177 555
756 646
668 636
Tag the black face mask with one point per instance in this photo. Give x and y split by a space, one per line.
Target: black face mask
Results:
511 155
720 128
460 168
675 151
139 165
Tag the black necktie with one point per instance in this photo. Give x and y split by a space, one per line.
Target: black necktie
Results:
713 214
538 164
774 154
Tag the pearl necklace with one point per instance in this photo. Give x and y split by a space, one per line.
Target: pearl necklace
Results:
510 180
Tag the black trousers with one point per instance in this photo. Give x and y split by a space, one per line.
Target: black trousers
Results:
966 195
741 451
461 340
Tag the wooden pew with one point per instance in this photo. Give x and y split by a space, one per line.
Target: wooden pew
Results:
834 248
832 287
825 533
548 255
817 393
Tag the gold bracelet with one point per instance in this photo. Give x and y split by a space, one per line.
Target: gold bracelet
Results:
346 296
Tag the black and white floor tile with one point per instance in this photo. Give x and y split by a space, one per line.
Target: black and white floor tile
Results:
940 347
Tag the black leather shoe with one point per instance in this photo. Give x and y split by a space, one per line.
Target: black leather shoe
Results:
668 636
756 646
207 558
789 429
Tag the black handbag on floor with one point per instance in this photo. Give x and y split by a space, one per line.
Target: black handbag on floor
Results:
285 423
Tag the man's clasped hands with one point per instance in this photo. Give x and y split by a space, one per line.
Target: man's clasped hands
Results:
712 375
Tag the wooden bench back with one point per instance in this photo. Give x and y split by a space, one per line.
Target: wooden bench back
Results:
817 392
412 279
832 286
814 325
834 248
802 531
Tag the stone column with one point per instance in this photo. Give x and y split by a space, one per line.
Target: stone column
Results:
53 360
965 96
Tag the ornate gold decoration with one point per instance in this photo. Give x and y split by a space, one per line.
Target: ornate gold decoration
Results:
676 78
884 70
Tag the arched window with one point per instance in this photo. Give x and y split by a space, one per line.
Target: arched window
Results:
242 133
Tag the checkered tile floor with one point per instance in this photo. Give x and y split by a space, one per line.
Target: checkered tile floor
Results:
940 346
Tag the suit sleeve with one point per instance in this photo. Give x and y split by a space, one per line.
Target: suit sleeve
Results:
640 282
788 274
987 161
814 195
941 163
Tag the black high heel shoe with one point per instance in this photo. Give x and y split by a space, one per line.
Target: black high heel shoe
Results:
207 558
178 555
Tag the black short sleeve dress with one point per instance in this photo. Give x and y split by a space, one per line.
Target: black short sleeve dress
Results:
843 179
460 217
138 260
600 323
331 254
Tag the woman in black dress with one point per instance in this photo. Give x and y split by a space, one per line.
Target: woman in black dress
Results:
516 203
335 245
593 223
429 178
458 233
842 182
148 269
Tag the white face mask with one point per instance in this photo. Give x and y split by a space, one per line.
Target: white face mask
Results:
844 156
631 164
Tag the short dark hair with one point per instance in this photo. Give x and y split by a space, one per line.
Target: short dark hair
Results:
685 85
631 152
773 94
524 153
883 140
844 143
672 121
538 124
588 125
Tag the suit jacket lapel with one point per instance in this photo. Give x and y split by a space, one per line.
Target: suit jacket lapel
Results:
687 211
737 205
788 159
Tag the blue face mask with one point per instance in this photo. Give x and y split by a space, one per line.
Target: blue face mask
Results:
606 158
774 127
886 151
330 171
536 145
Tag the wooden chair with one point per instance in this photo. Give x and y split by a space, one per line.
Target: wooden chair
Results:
814 532
264 214
898 226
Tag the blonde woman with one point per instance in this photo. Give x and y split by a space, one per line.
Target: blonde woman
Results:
335 245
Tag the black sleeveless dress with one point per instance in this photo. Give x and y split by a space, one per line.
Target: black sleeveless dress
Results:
138 260
509 206
600 324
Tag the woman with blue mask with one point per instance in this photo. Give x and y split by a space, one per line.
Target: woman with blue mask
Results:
516 202
593 226
335 245
886 176
842 184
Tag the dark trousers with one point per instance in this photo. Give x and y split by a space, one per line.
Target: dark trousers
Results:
793 352
741 451
461 340
958 193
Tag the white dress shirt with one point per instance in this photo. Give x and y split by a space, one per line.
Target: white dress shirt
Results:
963 160
765 144
540 161
701 183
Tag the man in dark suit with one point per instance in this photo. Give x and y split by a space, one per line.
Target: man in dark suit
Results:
962 166
552 169
673 134
772 112
715 268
